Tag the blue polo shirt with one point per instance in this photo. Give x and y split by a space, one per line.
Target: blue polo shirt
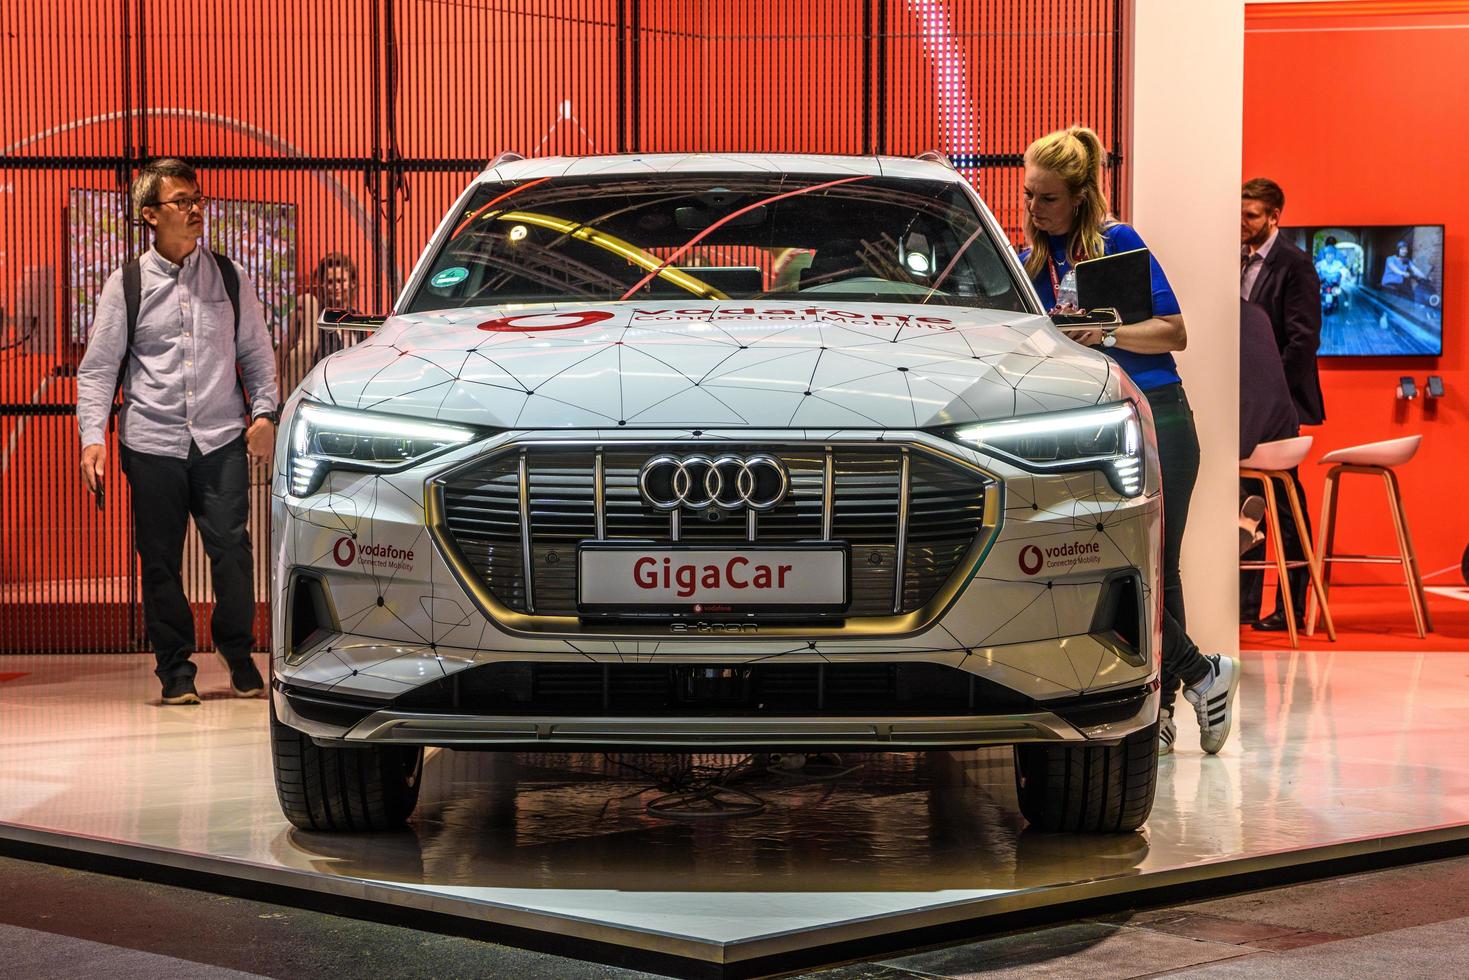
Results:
1147 371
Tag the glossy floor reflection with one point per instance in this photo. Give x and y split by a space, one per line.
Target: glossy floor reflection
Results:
1330 748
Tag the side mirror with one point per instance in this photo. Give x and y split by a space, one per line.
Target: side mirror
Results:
348 320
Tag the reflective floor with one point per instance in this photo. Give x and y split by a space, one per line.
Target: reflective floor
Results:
1331 750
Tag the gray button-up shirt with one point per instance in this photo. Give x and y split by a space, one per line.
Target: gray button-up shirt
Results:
180 385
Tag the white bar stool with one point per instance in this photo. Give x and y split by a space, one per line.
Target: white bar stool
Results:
1273 461
1375 459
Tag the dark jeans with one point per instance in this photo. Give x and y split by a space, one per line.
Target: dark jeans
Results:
1178 458
215 489
1252 581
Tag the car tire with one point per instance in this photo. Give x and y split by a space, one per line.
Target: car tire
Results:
348 789
1088 789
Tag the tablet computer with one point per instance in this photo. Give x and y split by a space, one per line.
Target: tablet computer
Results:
1098 319
1123 281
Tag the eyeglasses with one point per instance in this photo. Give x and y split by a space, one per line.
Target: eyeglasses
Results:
185 204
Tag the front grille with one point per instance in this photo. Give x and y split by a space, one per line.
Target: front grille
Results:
766 688
903 546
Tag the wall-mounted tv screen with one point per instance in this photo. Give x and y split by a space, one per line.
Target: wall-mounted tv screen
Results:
1381 288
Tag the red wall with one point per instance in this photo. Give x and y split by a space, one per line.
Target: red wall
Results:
1358 111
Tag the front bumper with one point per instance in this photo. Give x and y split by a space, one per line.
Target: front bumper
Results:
1103 717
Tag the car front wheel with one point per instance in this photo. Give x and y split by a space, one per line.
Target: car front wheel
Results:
343 789
1088 789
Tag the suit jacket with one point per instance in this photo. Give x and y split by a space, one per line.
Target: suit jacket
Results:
1289 292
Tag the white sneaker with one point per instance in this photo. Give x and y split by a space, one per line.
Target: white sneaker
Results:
1213 700
1167 733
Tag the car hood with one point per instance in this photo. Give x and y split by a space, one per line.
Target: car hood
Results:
705 365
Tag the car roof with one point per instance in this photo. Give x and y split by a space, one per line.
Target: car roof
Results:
659 163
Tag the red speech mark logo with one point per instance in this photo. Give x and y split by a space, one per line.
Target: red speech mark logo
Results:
344 551
584 318
1031 559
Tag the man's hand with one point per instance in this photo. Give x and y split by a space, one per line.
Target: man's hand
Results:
94 465
260 438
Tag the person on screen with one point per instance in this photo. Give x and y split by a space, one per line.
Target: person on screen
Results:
1351 260
1330 269
1399 273
333 286
185 431
1332 272
1066 220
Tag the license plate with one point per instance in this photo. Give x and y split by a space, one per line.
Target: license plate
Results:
715 579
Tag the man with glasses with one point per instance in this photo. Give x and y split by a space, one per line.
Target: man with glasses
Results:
180 331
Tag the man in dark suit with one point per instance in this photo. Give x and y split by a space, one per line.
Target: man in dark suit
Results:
1281 279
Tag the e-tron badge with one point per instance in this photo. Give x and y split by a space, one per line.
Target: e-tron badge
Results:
729 482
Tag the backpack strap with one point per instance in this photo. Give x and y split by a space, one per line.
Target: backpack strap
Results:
132 296
231 277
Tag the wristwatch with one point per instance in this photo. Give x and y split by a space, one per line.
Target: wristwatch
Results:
1109 338
275 417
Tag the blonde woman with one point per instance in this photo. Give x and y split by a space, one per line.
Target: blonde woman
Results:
1067 220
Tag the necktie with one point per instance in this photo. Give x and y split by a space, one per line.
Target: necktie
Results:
1247 259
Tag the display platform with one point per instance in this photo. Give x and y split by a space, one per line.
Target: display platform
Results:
1336 755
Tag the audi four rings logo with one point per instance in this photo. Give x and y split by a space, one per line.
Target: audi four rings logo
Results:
728 482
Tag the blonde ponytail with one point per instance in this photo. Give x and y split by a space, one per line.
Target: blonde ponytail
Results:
1074 155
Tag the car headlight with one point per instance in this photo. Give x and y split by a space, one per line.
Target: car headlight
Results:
324 439
1107 438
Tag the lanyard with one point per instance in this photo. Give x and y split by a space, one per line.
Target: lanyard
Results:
1051 265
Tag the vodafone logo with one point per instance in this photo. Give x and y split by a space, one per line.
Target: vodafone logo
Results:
372 556
1031 559
538 321
1066 557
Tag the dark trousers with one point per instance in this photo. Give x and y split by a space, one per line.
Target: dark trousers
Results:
1178 458
1252 581
215 489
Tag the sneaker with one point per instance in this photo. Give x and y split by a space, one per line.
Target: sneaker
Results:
180 691
246 680
1213 700
1167 733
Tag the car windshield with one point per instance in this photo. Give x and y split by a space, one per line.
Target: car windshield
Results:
853 239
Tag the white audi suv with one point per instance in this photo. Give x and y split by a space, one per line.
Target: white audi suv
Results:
715 453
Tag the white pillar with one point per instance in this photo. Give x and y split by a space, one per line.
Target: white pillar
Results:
1185 153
